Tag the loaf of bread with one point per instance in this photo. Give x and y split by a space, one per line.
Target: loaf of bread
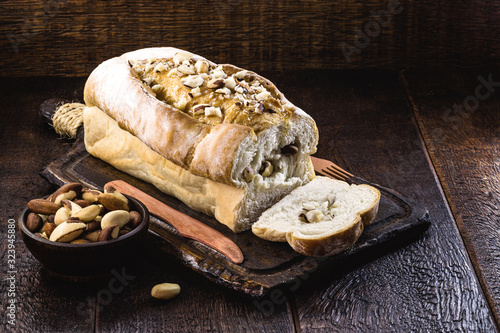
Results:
321 218
222 139
216 121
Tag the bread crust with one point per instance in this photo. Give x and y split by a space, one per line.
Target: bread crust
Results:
338 241
105 140
369 215
327 245
332 237
205 150
214 155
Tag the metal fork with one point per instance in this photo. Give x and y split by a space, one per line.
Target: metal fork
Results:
328 168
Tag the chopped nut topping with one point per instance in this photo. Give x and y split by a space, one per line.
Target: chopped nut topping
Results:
173 71
224 91
201 66
192 81
149 67
180 57
181 104
241 89
242 100
196 92
215 84
260 108
186 69
218 85
200 108
213 111
157 88
240 75
230 83
219 73
263 95
159 68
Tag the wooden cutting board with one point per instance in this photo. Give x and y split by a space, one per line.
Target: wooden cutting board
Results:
267 265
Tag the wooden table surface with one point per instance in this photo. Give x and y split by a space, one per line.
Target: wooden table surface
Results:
432 135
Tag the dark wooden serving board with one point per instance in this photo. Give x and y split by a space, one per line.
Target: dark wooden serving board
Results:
267 265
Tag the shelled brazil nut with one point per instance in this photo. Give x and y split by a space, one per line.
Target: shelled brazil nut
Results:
76 215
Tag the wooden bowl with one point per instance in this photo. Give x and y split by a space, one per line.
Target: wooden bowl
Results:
90 260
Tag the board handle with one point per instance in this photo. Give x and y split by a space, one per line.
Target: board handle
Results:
64 116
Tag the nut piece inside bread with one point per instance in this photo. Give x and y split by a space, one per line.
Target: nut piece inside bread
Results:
321 218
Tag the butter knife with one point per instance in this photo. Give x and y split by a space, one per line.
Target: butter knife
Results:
186 225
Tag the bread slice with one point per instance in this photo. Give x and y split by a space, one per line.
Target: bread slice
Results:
323 217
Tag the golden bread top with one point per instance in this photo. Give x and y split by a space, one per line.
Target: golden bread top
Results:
216 121
213 94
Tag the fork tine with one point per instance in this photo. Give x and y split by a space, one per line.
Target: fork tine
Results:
328 168
333 174
336 168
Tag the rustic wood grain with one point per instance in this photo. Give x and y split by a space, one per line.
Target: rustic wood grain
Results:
201 306
463 140
427 286
70 37
266 265
26 145
367 128
51 305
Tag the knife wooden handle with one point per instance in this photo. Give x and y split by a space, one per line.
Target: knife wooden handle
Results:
184 224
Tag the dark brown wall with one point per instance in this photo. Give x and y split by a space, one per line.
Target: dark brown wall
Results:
70 37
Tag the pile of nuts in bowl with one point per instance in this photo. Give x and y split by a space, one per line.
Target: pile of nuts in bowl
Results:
76 215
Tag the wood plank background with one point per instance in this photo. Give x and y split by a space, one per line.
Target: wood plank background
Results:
45 304
375 136
70 37
457 112
435 284
429 285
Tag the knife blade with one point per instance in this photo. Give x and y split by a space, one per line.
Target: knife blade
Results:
186 225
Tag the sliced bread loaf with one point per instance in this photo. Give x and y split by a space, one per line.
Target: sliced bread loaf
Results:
321 218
